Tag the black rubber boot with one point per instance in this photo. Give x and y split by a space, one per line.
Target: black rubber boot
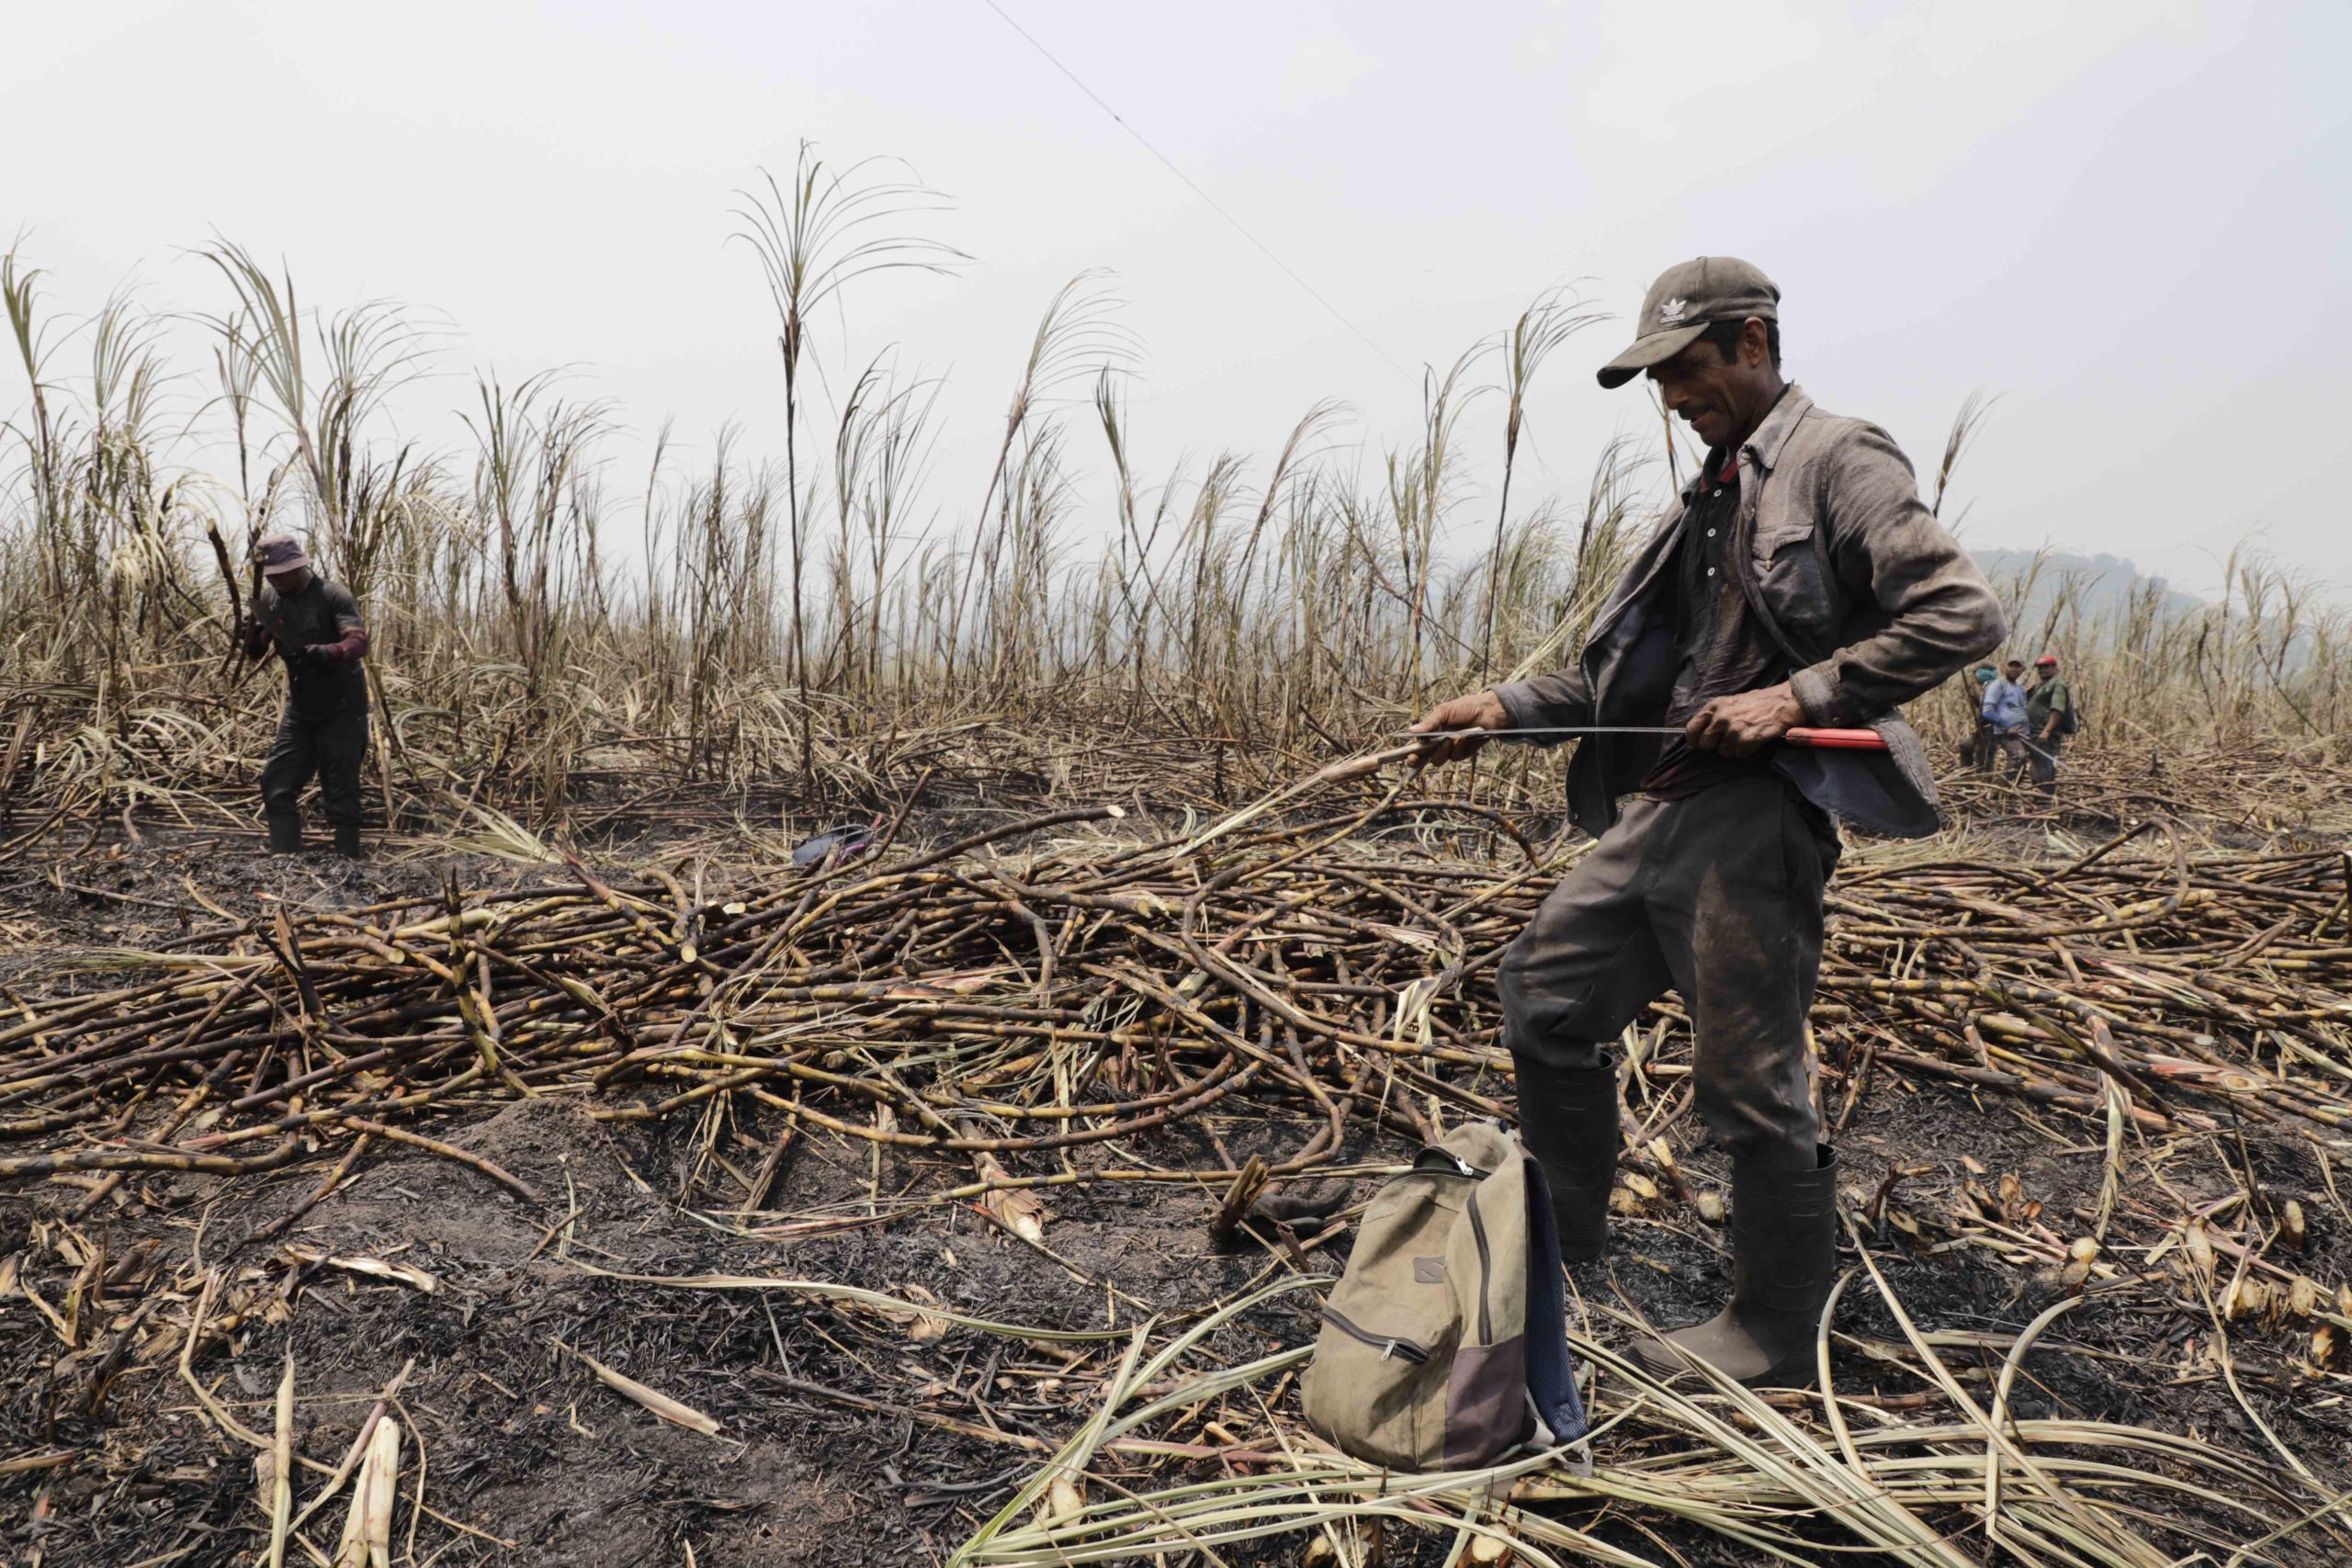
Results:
285 835
1784 1255
1567 1119
346 841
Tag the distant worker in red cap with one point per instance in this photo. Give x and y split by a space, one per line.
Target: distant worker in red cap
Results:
313 625
1797 580
2049 718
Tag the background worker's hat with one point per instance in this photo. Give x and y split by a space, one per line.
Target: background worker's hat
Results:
279 552
2048 661
1686 301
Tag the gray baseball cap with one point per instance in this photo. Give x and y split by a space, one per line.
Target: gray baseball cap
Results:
279 552
1686 300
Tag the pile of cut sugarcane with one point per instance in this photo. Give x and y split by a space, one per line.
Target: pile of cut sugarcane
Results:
984 1000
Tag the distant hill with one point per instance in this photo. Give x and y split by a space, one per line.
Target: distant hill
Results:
2100 582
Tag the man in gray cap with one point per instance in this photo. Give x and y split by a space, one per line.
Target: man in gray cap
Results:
313 625
1796 580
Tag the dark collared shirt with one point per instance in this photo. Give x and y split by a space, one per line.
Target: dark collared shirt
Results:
1720 648
2048 696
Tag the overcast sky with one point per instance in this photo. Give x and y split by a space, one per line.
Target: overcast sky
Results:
2129 220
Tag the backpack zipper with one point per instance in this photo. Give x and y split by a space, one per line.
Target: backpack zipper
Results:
1486 1269
1454 1164
1389 1344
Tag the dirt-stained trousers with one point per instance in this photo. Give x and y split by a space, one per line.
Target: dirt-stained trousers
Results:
1717 895
2045 761
333 748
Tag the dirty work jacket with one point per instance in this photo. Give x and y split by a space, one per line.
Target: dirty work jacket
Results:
1870 598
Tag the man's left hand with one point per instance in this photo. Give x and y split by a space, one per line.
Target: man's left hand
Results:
1744 724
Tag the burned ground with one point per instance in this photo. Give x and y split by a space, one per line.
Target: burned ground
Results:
856 1431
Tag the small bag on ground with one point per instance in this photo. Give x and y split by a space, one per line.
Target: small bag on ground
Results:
1447 1339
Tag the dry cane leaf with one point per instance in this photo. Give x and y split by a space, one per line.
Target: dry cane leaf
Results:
661 1403
282 1464
2201 1247
367 1530
1016 1208
374 1268
1064 1500
923 1326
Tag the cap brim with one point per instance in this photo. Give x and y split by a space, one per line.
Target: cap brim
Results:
298 563
1655 349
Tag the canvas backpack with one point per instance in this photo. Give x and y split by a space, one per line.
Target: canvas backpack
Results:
1447 1338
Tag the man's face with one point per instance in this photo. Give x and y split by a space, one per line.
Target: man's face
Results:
1720 398
2014 669
291 580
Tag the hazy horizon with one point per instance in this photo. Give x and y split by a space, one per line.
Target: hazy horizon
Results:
2075 211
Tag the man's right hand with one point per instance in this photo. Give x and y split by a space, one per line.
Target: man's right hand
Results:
1482 710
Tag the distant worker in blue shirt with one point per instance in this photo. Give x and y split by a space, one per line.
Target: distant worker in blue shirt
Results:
2003 712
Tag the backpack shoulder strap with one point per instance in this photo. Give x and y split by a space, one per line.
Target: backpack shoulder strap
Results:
1551 1370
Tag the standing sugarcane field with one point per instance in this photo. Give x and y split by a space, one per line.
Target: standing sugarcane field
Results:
1253 847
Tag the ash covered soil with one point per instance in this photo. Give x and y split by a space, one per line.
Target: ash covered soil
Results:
853 1434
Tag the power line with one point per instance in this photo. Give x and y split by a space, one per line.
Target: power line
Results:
1190 183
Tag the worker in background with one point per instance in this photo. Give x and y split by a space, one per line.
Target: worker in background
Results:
1798 582
2049 719
2003 715
313 627
1977 751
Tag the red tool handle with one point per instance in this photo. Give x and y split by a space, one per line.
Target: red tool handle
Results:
1836 739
